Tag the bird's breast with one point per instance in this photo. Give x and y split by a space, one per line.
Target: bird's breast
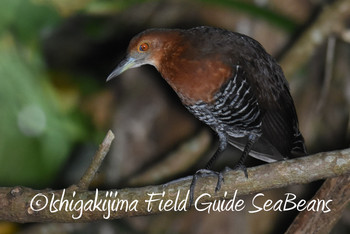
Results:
196 80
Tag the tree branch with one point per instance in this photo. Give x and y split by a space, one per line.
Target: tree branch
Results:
338 190
20 204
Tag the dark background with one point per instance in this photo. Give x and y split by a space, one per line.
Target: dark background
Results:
55 106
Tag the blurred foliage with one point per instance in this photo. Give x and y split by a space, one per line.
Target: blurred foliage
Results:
36 133
26 20
68 7
264 13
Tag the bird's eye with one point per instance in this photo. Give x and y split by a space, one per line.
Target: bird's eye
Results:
143 47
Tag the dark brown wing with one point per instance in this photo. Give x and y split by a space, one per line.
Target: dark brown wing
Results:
280 122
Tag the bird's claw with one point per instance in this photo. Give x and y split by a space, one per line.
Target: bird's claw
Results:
227 169
220 181
242 168
236 168
201 173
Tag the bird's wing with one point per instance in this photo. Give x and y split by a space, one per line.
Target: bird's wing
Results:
279 119
280 127
267 82
237 109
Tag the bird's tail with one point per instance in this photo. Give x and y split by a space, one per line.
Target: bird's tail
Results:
262 149
298 147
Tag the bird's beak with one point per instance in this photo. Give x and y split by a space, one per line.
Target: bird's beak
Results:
124 65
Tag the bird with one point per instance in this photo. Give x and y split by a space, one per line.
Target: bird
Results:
228 81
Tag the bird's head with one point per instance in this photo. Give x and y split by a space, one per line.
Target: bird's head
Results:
148 47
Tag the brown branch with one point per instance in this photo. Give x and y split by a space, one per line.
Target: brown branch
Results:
336 189
22 204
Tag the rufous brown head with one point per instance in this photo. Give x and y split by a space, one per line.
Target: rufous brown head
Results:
147 47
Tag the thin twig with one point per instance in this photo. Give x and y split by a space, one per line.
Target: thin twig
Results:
328 72
97 160
330 21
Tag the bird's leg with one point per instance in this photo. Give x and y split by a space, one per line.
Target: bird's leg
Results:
207 171
240 165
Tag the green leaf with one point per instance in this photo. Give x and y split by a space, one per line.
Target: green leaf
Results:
35 135
25 19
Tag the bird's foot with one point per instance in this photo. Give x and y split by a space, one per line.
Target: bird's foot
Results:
238 167
202 173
